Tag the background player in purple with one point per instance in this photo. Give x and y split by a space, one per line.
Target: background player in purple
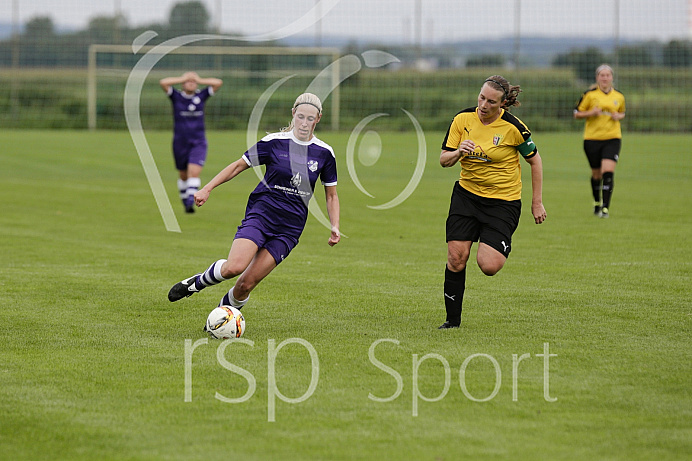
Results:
189 138
278 207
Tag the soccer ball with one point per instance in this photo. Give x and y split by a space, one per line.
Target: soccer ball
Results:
225 322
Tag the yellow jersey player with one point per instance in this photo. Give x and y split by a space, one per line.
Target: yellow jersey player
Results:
488 142
603 107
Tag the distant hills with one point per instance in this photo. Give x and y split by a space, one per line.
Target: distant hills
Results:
534 51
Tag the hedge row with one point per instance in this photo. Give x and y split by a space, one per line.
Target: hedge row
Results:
657 99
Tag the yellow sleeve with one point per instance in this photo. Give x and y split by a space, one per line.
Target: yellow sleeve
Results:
453 136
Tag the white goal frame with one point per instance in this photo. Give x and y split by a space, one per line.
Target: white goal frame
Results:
94 49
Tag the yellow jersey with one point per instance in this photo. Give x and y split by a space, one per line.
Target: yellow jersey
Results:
492 170
602 127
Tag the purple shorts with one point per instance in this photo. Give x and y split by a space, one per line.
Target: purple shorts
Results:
187 151
278 245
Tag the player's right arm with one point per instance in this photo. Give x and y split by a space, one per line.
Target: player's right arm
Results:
596 111
453 148
168 82
451 157
228 173
585 109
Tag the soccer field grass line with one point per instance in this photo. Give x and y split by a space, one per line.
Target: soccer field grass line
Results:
578 348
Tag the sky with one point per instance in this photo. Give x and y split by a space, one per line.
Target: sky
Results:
404 21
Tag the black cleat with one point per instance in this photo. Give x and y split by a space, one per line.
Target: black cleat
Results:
597 211
446 325
183 289
189 209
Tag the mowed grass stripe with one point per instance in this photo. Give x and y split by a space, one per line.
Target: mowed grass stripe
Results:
93 360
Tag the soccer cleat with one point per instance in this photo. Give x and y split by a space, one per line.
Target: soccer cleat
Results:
189 204
597 211
447 325
183 289
604 212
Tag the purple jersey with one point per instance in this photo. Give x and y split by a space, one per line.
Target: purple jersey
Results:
280 200
188 112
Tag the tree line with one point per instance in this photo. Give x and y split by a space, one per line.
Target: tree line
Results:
40 45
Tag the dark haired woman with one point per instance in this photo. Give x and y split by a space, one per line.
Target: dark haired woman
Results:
487 141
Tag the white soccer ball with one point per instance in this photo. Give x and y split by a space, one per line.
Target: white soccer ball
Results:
225 322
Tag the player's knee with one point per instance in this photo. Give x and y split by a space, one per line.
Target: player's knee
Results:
230 270
490 271
456 260
490 268
456 263
242 288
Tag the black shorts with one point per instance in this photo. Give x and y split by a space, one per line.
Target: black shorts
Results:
599 150
479 219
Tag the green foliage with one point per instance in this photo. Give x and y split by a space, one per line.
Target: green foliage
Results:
583 62
486 60
677 53
93 356
639 56
58 99
189 17
40 28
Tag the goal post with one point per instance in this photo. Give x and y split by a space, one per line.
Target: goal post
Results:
94 70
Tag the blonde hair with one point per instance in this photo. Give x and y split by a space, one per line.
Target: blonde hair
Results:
305 98
603 67
600 69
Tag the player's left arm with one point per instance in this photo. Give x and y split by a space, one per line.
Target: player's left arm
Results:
333 211
214 83
617 116
168 82
537 208
619 113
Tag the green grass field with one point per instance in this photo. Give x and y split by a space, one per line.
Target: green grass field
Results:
93 362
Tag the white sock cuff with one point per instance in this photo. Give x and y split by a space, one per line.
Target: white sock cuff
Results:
234 302
194 182
217 270
182 185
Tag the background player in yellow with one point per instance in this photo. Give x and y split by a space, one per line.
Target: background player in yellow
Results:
486 201
603 107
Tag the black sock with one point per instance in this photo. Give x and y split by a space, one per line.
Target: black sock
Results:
455 284
608 183
596 189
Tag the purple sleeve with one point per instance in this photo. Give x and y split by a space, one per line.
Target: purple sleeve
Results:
259 154
328 173
205 93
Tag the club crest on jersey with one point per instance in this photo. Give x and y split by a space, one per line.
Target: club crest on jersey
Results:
496 139
296 180
313 165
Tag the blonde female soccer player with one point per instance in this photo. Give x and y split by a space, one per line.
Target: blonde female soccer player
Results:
603 107
278 207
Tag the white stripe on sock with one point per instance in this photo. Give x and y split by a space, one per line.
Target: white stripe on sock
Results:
234 302
182 188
